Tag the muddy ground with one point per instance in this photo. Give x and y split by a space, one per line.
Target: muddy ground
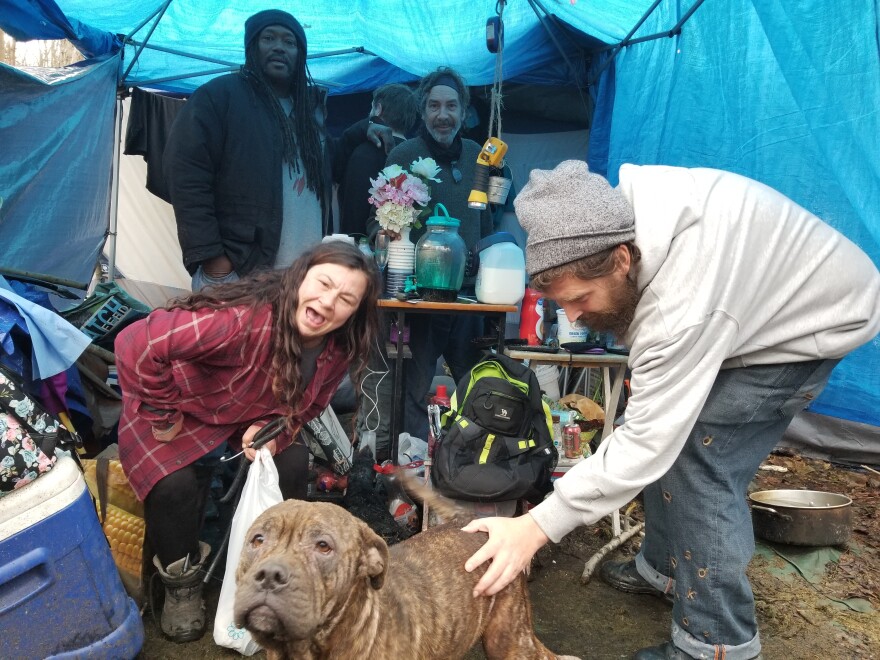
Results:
797 619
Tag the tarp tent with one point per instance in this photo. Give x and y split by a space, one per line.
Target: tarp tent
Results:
784 93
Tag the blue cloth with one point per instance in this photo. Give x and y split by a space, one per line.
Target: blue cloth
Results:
698 527
784 93
56 343
57 145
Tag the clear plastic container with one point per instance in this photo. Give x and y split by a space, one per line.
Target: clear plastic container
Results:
501 279
440 259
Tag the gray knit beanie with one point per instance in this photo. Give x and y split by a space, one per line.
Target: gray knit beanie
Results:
570 213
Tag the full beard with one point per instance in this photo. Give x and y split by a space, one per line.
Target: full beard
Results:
446 139
620 313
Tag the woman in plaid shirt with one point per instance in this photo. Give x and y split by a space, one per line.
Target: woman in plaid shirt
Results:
216 367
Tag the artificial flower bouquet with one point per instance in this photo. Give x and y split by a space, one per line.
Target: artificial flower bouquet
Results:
401 197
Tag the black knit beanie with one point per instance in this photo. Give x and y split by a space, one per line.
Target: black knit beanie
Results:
263 19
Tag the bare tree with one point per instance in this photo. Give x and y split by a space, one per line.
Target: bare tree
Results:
54 53
7 48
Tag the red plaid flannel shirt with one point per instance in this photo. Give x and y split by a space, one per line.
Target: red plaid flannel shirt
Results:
212 368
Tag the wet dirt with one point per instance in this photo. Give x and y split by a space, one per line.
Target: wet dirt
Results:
797 619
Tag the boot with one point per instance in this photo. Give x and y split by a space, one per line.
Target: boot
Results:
183 615
625 577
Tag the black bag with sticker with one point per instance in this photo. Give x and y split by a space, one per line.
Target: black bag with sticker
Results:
497 439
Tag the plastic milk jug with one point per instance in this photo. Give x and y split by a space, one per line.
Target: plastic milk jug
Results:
501 279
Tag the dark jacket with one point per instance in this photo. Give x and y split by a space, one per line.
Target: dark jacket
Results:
223 163
474 224
353 172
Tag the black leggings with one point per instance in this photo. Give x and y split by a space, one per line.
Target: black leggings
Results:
175 507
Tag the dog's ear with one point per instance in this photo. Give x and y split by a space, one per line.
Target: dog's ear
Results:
375 556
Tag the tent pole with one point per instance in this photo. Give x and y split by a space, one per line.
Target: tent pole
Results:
674 31
114 192
623 43
160 12
199 74
535 5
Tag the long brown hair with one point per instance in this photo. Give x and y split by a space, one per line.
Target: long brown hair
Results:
280 289
587 268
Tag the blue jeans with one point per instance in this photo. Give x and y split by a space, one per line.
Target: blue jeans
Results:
698 527
200 280
430 336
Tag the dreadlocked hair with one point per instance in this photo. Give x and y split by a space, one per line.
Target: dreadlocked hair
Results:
280 289
301 135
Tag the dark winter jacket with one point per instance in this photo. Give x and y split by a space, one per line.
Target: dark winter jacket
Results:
223 163
454 196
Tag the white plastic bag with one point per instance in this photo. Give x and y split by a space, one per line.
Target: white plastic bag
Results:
260 491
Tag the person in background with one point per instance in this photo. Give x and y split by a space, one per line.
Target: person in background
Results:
394 106
443 100
394 109
247 160
213 369
736 304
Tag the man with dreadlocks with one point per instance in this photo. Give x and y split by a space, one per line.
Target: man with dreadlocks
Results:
249 175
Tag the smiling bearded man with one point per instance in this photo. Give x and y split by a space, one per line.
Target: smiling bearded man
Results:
736 304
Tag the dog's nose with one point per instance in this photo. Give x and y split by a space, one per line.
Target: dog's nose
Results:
271 576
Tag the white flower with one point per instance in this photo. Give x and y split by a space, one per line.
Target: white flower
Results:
392 171
426 168
394 216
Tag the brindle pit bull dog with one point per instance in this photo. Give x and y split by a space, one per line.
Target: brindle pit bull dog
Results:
314 582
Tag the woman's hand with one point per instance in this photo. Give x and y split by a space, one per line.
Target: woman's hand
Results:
248 439
169 433
512 544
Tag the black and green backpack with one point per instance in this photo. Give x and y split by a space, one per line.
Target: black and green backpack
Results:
497 439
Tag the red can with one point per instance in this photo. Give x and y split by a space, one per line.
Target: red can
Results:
531 318
571 439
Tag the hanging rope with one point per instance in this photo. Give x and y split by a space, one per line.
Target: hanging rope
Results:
495 99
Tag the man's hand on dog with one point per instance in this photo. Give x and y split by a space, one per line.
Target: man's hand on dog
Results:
512 544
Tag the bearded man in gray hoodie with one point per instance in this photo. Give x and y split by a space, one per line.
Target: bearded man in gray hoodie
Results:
736 304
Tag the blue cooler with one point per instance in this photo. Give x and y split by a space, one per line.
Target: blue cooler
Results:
60 593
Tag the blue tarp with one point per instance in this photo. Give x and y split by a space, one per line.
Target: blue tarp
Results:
786 93
56 155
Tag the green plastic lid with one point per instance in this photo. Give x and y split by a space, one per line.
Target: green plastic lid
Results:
437 220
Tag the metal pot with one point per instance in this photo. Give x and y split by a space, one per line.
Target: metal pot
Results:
801 517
